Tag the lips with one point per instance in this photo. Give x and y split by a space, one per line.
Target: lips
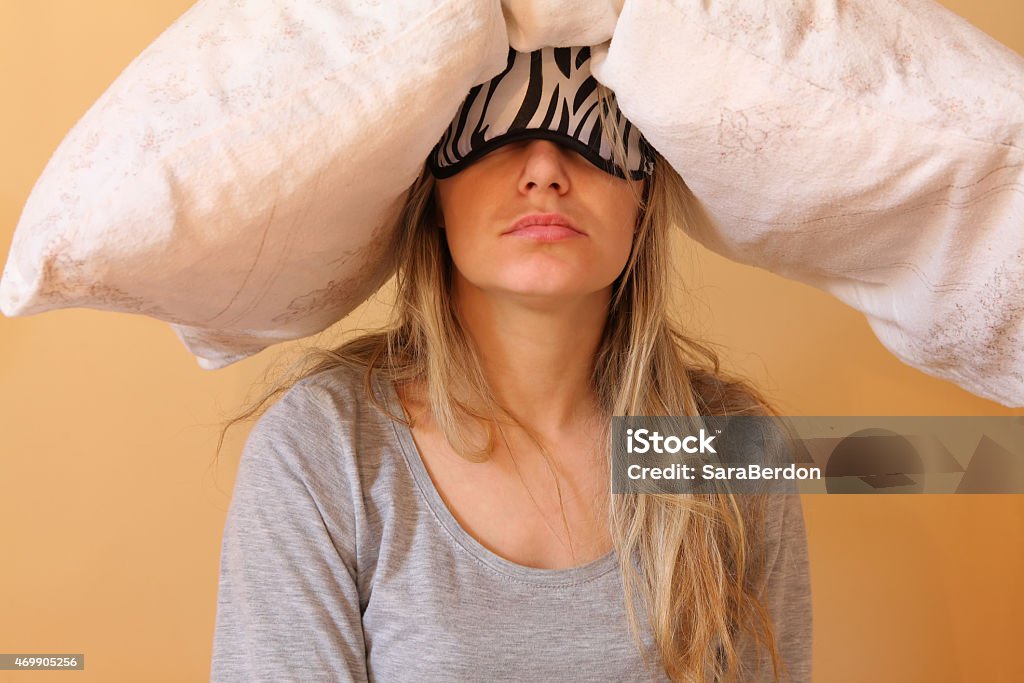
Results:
544 223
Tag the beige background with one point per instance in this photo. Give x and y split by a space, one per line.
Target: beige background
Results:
111 519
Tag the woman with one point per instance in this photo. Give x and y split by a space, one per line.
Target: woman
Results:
433 501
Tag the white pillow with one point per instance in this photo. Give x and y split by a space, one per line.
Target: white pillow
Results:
533 24
237 179
873 149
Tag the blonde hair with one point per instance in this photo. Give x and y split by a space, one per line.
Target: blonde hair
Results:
693 560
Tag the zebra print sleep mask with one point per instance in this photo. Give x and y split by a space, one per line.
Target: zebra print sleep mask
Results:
548 93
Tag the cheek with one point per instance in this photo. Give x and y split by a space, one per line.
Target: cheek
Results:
620 237
623 247
458 240
459 217
468 245
625 224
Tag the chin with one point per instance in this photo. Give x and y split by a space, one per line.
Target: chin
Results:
549 282
553 293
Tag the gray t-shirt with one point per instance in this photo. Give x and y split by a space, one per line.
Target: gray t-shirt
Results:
341 562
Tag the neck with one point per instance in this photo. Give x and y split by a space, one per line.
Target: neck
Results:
537 356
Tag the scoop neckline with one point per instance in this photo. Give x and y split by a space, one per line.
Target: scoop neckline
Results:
534 575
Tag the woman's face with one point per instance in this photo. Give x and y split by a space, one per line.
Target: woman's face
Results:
486 211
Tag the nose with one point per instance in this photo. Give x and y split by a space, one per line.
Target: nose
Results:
544 167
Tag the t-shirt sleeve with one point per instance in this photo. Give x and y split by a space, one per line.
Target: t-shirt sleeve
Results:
785 591
288 605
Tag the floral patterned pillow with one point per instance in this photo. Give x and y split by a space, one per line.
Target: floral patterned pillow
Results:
238 179
230 181
869 148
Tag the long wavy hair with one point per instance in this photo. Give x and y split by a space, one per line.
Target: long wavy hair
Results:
692 560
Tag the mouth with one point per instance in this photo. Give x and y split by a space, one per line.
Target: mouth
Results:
545 227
